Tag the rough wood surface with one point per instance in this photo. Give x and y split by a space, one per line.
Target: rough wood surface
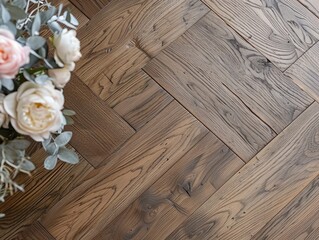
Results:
177 194
250 199
35 232
99 130
143 159
282 30
90 7
312 5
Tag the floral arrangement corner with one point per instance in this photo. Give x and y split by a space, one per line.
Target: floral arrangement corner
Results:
38 51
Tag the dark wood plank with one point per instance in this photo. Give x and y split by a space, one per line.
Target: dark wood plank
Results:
177 194
298 220
35 232
127 34
42 191
90 7
139 100
282 30
228 85
110 189
265 185
305 72
312 5
98 130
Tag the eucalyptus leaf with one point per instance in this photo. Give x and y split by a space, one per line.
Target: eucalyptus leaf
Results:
36 24
70 18
60 9
5 15
19 3
27 76
52 149
69 120
19 144
36 42
7 83
67 155
68 112
55 27
47 15
50 162
16 12
27 166
42 79
11 27
63 139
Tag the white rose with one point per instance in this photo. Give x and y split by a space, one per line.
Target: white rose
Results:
60 76
67 49
4 117
35 110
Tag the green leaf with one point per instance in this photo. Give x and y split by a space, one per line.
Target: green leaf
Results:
50 162
36 42
36 24
19 144
68 112
68 156
63 139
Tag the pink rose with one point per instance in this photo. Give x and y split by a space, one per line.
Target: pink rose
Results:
12 55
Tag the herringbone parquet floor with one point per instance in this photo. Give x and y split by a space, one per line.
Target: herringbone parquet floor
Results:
196 119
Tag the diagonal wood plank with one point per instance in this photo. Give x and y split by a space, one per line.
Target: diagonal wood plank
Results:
281 30
139 100
90 7
312 5
305 72
126 34
42 191
35 232
98 131
298 220
265 185
110 189
228 85
177 194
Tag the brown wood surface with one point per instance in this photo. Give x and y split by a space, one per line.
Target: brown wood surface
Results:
35 232
250 199
220 96
177 194
90 7
99 130
299 219
282 30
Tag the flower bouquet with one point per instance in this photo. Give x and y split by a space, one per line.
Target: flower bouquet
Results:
34 67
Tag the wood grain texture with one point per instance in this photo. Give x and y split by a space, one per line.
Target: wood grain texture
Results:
35 232
127 34
110 189
99 130
305 72
177 194
281 30
42 191
312 5
90 7
241 207
228 85
139 100
298 220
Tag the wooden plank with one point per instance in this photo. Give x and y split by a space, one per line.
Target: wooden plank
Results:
298 220
98 130
139 100
35 232
281 30
177 194
42 191
110 189
312 5
305 72
126 34
90 7
228 85
265 185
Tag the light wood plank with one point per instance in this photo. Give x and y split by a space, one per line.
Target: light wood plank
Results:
265 185
42 191
282 30
35 232
139 100
98 130
177 194
312 5
298 220
126 34
305 72
90 7
110 189
228 85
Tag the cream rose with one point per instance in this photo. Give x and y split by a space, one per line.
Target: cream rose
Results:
12 55
4 117
67 49
35 110
60 76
